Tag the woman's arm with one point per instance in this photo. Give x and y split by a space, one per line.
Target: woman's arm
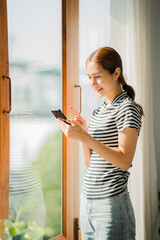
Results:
122 156
86 153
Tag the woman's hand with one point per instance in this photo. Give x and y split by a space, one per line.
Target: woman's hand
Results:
79 119
74 131
78 126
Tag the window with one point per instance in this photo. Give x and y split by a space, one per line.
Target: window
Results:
43 66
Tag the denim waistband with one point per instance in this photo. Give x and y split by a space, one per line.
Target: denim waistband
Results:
125 191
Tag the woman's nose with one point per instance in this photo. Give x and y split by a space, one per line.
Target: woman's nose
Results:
92 81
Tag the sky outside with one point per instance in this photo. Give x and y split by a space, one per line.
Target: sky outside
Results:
34 29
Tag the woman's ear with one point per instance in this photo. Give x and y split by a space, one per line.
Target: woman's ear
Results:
117 73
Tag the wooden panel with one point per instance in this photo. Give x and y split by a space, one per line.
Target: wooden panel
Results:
64 109
72 49
4 118
70 96
60 238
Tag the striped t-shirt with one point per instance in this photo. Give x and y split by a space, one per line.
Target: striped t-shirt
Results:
103 179
24 177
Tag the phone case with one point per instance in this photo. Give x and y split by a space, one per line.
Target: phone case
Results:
58 113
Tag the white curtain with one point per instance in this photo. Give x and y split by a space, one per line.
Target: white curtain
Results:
130 35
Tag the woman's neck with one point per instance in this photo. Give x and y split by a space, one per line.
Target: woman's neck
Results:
111 96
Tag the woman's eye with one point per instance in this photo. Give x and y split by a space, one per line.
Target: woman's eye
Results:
94 77
97 77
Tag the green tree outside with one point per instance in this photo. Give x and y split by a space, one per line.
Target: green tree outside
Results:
49 167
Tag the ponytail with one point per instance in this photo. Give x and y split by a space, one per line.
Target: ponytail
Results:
130 91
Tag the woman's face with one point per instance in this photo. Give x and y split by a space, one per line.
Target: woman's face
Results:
101 80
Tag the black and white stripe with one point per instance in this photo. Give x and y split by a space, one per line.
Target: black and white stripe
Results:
102 178
23 177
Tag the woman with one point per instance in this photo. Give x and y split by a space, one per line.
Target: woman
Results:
108 147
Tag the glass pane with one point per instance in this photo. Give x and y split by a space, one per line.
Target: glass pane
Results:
34 31
93 33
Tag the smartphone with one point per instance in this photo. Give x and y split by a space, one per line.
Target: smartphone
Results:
59 114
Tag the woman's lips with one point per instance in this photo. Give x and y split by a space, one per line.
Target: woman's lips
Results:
100 90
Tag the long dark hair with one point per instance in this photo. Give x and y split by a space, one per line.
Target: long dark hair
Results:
110 59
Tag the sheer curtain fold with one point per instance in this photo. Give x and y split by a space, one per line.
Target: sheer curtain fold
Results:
130 35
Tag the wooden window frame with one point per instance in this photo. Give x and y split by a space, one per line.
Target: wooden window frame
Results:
70 77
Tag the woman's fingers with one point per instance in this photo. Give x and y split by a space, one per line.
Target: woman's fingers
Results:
78 118
74 123
61 121
74 111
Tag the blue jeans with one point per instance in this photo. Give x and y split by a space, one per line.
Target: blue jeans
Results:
110 218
